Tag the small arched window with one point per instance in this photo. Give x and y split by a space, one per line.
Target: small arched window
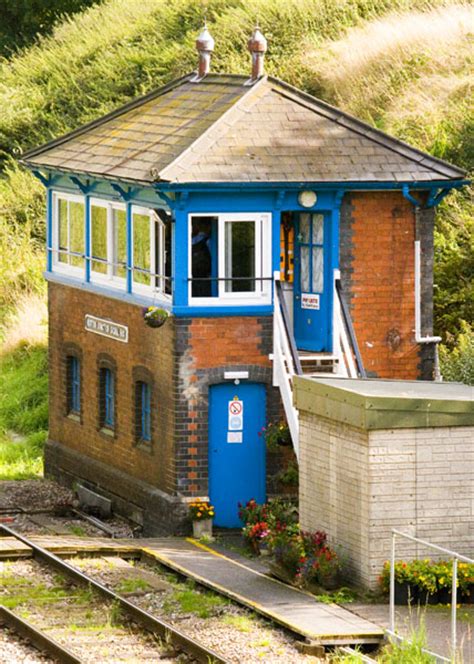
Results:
107 393
73 385
143 411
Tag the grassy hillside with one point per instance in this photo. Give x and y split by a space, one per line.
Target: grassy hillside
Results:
402 65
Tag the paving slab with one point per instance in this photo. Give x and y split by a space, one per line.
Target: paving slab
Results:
293 608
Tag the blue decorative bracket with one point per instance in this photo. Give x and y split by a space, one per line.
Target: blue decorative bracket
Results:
183 199
44 179
339 196
126 195
279 198
436 197
86 188
171 202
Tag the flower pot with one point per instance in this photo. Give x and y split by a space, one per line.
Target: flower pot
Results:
202 528
404 593
445 595
156 322
424 597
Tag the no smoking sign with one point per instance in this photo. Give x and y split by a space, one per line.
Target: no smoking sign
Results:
236 415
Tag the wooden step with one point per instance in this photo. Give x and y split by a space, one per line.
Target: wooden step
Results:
312 362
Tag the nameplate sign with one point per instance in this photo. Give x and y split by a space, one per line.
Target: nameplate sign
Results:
106 328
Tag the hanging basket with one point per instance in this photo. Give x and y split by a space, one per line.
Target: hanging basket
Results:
155 317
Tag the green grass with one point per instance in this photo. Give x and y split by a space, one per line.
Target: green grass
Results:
243 624
24 411
199 603
132 585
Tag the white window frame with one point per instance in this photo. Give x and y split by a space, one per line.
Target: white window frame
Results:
263 260
157 231
59 266
108 278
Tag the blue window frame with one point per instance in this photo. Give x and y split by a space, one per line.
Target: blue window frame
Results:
143 396
107 389
73 384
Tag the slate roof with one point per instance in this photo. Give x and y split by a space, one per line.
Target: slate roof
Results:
221 129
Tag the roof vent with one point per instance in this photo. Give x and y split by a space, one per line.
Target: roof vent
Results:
205 46
257 45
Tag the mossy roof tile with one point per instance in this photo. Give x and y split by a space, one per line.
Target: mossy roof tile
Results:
221 129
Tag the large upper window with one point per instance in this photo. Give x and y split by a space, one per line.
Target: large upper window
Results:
69 228
230 258
150 250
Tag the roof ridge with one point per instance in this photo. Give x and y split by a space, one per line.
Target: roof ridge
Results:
205 135
395 143
128 106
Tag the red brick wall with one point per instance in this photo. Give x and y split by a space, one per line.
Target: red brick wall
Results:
207 347
382 283
215 342
147 347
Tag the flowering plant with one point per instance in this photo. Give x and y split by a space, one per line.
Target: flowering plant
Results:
275 434
199 511
155 316
428 575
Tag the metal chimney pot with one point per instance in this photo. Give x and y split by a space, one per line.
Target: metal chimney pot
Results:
205 46
257 46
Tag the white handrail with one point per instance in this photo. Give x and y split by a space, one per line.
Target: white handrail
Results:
346 366
456 557
284 369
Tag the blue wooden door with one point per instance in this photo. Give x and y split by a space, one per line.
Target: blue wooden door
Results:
236 451
312 294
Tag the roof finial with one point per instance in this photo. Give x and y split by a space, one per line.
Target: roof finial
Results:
204 46
257 46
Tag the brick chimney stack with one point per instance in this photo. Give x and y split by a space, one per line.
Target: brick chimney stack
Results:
257 46
204 46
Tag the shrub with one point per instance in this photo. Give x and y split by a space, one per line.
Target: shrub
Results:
426 575
275 434
458 364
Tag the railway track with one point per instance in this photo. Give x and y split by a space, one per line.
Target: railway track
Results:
195 650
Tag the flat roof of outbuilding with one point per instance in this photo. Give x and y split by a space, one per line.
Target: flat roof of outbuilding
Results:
386 404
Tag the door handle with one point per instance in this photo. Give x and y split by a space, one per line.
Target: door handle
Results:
297 297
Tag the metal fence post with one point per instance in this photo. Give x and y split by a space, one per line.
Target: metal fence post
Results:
454 597
392 585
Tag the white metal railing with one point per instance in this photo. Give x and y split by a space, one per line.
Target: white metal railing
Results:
346 366
284 368
456 557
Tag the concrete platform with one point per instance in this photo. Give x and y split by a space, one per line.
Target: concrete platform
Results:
297 610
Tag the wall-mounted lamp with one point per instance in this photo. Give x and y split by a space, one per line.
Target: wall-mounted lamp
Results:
236 376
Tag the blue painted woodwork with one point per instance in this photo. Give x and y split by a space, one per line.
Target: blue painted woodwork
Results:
312 327
87 235
145 411
109 397
129 277
49 229
236 470
185 200
74 384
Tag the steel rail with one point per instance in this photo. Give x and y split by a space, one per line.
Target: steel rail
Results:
152 624
37 638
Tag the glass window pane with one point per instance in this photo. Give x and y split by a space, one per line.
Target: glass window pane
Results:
119 222
204 256
318 272
99 238
318 228
240 256
141 248
62 231
76 232
305 227
304 269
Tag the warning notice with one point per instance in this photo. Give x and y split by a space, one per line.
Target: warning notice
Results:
236 415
